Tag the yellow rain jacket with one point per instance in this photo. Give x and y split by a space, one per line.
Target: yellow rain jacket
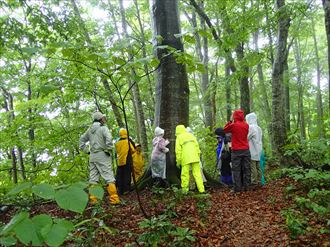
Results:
138 163
186 147
122 147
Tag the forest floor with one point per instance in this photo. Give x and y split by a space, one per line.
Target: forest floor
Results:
223 218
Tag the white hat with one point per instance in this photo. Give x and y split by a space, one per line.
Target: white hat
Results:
97 115
159 131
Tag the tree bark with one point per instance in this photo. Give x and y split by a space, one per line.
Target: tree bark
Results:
172 90
243 80
104 80
136 91
287 110
202 51
278 121
318 88
301 117
326 7
228 91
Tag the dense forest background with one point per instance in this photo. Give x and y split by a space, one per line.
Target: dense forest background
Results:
62 60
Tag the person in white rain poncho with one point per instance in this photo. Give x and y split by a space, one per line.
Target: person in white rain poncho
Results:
255 146
100 145
158 156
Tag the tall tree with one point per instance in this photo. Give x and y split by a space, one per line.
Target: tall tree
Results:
318 87
172 90
278 117
142 132
326 7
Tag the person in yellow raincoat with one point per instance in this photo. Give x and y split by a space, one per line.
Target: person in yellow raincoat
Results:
188 155
138 162
124 169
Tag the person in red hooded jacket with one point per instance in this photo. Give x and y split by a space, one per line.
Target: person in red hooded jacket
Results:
240 157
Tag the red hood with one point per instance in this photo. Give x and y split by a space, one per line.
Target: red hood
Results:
238 116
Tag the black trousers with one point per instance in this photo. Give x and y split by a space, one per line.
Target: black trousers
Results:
241 169
123 179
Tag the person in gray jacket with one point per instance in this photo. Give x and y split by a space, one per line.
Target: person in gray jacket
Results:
100 145
255 146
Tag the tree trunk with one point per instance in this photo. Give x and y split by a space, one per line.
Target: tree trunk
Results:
318 89
104 80
136 91
21 163
144 53
244 80
172 90
228 90
278 121
266 110
286 89
301 117
202 51
326 7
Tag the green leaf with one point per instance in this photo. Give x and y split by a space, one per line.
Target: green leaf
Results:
73 198
19 188
18 218
8 241
57 234
65 223
97 191
24 231
45 191
42 223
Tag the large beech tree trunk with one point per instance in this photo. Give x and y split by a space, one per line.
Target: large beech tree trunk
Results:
172 90
278 117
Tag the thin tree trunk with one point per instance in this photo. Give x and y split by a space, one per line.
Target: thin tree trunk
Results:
21 163
228 91
269 33
318 89
278 121
104 80
326 7
144 53
266 110
244 80
301 117
202 51
172 90
136 91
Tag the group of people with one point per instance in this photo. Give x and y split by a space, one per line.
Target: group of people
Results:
245 151
238 154
97 142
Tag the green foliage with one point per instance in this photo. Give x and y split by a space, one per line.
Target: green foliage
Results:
315 197
39 230
313 153
295 224
159 230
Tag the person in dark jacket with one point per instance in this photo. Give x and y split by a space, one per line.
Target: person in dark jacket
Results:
240 156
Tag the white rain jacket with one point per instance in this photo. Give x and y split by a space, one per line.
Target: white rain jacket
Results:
158 157
254 136
100 142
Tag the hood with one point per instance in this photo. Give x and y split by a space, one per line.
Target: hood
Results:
251 118
180 129
238 115
94 127
123 133
159 131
